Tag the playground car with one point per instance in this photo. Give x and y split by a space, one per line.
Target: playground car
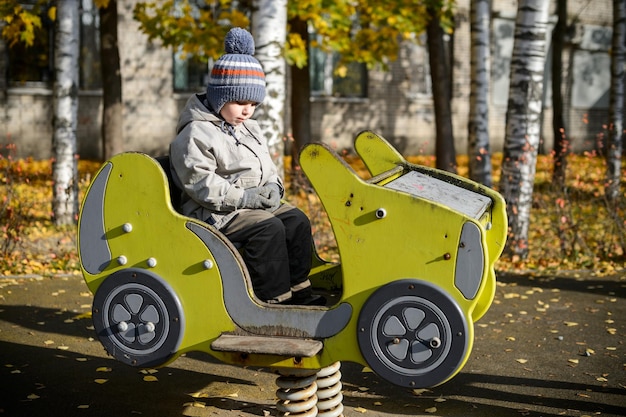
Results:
417 248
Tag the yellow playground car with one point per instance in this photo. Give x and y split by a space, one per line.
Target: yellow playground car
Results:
417 248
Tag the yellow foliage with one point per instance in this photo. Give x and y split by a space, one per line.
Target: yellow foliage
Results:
295 50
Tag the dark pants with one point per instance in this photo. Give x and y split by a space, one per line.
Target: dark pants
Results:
277 249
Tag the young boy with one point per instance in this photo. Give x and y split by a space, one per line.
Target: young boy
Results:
222 162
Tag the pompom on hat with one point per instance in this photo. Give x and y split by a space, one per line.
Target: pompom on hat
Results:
236 75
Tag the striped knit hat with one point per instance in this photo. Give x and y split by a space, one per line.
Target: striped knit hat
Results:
236 75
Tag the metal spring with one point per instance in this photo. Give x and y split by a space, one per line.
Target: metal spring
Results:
297 393
329 396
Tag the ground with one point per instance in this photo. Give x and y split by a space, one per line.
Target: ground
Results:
549 346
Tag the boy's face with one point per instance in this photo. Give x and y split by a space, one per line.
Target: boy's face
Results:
236 112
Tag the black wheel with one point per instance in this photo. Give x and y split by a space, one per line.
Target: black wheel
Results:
138 318
413 334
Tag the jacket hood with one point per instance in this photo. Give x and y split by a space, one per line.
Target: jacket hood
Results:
196 110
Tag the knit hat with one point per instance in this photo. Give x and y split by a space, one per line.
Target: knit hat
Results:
236 75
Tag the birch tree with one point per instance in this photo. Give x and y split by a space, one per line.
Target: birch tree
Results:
65 113
478 123
269 28
523 120
614 144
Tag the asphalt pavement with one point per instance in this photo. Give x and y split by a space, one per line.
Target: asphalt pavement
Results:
548 346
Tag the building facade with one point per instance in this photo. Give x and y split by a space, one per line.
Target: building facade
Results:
395 103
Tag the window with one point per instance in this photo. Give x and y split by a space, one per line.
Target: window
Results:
34 65
189 73
326 83
90 75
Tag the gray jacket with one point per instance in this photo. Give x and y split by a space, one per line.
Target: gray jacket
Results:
213 162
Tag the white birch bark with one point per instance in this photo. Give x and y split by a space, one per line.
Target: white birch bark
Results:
65 108
269 28
478 123
523 120
616 106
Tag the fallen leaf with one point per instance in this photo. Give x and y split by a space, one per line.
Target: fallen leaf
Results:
63 347
573 361
420 391
570 323
101 381
33 397
199 395
83 406
431 410
196 404
48 342
103 369
360 410
378 403
522 361
150 378
363 389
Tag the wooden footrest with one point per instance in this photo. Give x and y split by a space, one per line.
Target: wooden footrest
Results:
283 346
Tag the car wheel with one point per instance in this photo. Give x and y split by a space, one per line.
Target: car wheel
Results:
138 318
413 334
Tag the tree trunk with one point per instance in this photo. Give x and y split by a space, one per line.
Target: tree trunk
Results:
478 124
269 27
561 143
523 120
65 109
439 73
112 107
300 102
616 107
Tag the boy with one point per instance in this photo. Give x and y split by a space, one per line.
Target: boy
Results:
222 162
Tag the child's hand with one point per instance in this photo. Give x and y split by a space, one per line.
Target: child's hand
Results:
255 198
273 195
